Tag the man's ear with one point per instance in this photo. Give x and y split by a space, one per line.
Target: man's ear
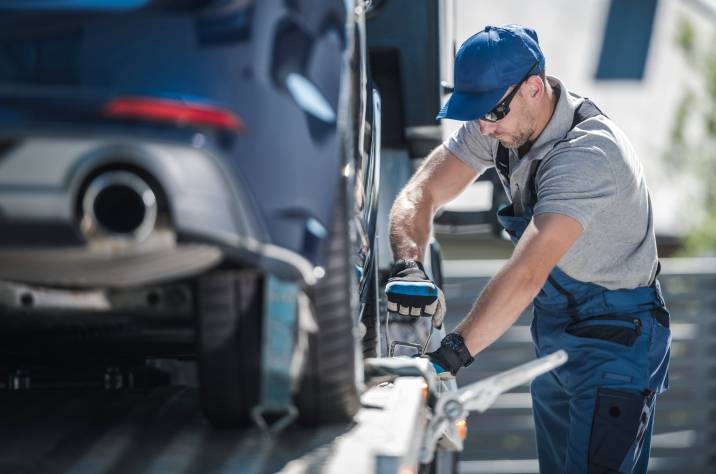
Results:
535 86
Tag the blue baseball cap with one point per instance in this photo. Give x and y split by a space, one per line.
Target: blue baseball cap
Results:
486 65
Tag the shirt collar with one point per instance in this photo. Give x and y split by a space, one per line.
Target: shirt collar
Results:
558 126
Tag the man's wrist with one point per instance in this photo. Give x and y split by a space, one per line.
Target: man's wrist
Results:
456 342
452 354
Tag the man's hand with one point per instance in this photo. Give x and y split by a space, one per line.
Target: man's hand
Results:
411 293
451 356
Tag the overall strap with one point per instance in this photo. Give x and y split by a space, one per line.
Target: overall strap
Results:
586 110
502 162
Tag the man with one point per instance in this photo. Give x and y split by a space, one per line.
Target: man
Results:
585 255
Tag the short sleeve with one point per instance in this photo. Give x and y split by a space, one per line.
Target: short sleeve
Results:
577 182
471 147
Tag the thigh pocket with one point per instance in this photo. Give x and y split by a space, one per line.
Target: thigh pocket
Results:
620 420
623 330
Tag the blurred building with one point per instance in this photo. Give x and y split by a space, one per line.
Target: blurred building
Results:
628 57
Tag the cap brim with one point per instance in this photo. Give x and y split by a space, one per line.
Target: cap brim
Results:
471 106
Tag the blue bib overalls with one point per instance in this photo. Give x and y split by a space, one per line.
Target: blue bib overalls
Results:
595 413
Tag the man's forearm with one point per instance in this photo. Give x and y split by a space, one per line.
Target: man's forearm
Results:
545 240
440 178
410 224
502 301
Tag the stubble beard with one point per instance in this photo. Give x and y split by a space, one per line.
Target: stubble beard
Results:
522 135
517 140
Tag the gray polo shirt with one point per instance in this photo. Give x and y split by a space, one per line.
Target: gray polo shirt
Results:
591 174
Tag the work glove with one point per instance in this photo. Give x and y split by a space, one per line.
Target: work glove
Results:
451 356
411 293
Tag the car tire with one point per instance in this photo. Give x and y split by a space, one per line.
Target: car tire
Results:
229 340
229 308
328 389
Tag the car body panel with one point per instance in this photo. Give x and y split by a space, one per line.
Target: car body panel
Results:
267 192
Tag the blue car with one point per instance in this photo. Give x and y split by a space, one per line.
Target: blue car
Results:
191 180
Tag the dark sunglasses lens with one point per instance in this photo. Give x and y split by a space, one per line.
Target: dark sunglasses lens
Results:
498 113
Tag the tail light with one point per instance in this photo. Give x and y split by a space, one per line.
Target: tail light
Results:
172 111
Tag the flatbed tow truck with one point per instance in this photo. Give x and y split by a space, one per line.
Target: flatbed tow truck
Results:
409 422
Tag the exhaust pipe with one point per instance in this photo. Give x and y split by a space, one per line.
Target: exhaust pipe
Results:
118 205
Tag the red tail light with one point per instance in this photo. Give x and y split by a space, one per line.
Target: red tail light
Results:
174 111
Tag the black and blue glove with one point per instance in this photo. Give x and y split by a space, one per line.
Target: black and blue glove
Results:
451 356
411 293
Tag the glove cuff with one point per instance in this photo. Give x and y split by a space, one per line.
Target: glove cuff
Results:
453 354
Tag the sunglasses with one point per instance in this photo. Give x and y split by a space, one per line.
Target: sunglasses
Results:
502 108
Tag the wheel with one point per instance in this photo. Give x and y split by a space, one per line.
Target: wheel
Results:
229 308
328 388
229 340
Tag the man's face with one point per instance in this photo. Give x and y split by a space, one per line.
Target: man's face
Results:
515 129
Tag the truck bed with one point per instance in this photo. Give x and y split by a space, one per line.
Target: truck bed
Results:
158 430
162 430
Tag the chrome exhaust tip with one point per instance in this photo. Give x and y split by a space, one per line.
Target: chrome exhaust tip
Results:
118 205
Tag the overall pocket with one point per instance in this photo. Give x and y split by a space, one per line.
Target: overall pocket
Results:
619 423
622 330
